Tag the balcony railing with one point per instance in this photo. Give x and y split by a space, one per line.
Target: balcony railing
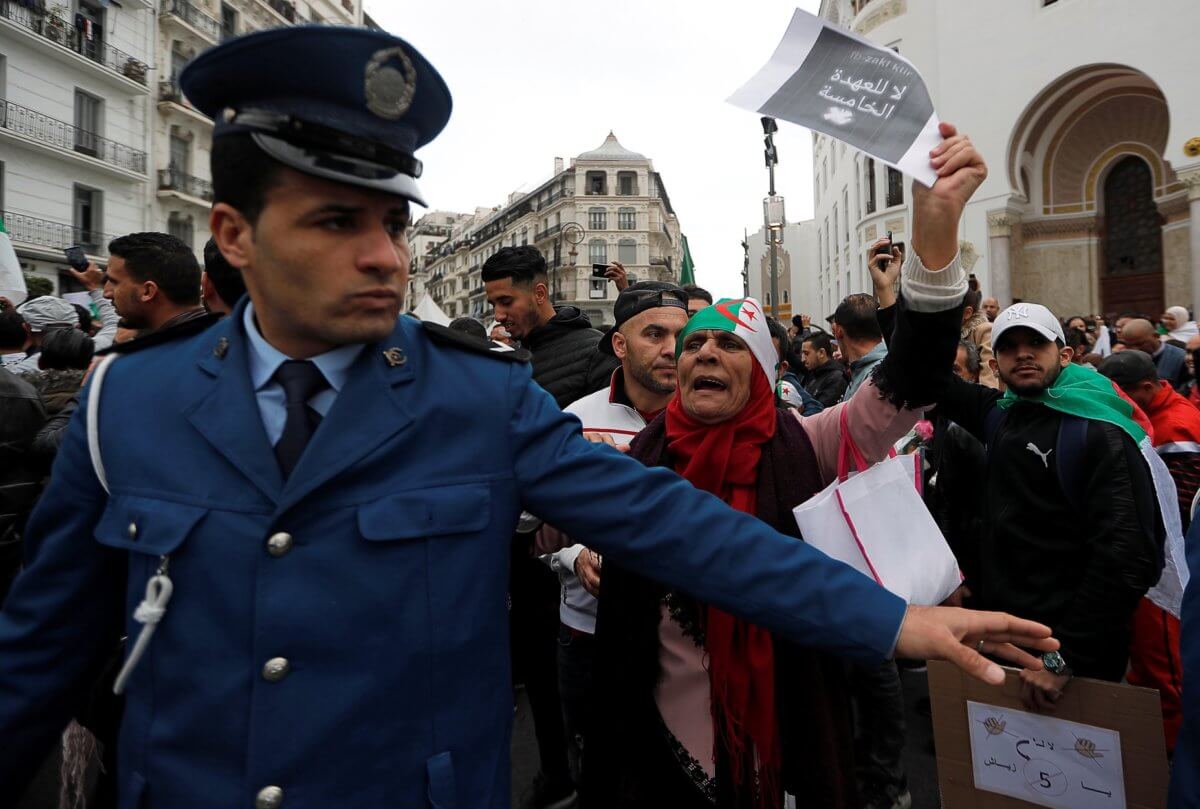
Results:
172 179
547 233
44 129
25 229
59 31
550 200
193 16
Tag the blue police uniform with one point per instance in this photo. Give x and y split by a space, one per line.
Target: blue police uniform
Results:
1185 771
338 636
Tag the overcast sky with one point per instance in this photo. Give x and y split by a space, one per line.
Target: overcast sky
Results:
537 79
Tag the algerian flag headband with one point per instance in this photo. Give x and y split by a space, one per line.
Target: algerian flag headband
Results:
742 317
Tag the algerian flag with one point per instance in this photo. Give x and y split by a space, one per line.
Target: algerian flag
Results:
744 318
687 269
12 282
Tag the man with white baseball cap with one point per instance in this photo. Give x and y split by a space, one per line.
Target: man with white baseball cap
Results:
42 314
1072 532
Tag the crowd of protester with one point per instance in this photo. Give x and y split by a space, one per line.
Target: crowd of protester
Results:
1010 513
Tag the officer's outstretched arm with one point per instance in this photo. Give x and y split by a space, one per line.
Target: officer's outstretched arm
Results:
62 617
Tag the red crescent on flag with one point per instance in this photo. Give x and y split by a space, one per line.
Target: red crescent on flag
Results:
723 308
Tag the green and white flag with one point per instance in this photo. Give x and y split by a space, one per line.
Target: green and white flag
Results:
12 282
744 318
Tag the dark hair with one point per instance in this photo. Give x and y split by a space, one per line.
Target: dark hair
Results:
821 341
974 363
242 174
65 350
469 325
163 259
525 265
12 328
856 315
973 299
1128 368
798 321
226 278
696 293
85 317
779 332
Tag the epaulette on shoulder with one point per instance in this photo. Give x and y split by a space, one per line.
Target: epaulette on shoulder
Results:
162 336
443 335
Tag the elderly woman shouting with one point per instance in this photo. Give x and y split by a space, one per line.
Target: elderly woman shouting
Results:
697 708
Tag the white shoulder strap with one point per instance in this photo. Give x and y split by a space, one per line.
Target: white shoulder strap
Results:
93 419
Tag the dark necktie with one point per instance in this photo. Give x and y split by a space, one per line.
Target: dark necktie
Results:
301 380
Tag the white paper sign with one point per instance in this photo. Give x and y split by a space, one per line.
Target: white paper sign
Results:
825 78
1043 760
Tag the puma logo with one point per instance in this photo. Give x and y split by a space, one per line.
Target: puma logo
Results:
1045 456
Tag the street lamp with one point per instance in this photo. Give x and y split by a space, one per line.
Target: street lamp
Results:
773 215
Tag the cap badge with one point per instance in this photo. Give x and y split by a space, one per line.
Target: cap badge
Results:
391 83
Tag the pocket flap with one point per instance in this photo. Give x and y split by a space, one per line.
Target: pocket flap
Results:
459 509
146 525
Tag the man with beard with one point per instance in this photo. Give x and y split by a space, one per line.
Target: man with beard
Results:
649 315
561 340
1072 533
153 281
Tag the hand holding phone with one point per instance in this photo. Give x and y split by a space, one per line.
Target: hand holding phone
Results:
600 271
76 257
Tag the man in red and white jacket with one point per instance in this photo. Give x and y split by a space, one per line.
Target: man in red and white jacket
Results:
1154 658
649 316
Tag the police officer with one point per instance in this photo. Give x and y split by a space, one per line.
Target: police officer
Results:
309 503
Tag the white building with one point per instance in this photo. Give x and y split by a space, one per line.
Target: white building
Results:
182 188
608 204
795 261
74 128
1091 131
427 233
96 140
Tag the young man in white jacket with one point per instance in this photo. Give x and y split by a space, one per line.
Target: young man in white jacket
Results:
649 316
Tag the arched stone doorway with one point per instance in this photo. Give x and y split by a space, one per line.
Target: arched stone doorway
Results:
1131 237
1091 190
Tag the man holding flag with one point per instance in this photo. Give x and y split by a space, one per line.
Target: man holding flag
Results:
1063 444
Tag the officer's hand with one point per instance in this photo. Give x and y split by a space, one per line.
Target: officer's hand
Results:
959 636
587 569
616 273
92 276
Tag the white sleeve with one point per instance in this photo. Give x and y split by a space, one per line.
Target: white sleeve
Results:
927 290
108 320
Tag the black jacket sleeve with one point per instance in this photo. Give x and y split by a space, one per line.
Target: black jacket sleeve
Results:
48 439
1124 530
920 359
967 404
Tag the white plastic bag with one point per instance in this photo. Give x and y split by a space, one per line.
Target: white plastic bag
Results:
876 522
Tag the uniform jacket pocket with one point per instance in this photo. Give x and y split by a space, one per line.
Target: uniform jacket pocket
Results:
459 509
146 525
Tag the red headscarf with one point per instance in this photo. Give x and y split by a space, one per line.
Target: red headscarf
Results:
723 459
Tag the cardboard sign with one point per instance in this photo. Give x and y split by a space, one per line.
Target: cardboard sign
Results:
1103 736
825 78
